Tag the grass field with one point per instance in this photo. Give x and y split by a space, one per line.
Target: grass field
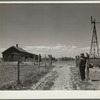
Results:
29 74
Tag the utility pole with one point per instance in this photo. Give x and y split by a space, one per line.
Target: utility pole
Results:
94 50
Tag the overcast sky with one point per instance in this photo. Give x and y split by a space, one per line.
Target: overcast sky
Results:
60 30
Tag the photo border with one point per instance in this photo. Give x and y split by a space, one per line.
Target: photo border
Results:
47 95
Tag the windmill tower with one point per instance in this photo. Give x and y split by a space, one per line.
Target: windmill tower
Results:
94 49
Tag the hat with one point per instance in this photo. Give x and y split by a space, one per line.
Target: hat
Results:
82 54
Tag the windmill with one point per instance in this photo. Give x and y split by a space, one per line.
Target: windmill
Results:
94 49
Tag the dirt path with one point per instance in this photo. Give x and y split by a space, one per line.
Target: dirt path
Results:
63 81
64 76
58 79
46 82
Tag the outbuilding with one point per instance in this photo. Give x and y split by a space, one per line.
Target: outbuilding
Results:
15 53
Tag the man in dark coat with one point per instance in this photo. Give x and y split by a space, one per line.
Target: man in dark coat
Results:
82 66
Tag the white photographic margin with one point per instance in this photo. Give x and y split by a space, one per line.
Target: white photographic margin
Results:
49 2
56 94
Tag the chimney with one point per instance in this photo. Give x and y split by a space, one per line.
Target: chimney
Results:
16 45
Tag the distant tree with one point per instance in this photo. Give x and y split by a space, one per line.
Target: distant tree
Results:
47 58
66 58
54 59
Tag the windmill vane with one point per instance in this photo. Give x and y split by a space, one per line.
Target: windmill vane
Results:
93 21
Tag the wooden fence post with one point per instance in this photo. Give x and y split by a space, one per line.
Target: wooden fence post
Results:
18 72
87 62
50 59
39 60
34 59
45 60
87 68
76 60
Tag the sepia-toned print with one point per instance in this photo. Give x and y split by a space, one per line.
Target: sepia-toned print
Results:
49 47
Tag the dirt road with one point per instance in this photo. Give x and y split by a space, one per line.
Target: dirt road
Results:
58 79
64 76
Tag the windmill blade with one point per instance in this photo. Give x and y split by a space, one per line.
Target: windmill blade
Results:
97 22
91 19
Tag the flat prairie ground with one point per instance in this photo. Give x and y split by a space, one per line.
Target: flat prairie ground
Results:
29 74
63 75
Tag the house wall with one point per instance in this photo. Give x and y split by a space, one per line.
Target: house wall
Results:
8 56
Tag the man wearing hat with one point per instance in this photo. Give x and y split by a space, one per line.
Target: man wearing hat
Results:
82 66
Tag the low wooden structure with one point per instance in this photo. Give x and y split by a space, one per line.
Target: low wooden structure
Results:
95 62
14 53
